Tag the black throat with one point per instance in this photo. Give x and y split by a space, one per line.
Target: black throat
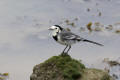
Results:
55 37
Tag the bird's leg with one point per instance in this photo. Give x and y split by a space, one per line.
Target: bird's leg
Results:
64 49
69 48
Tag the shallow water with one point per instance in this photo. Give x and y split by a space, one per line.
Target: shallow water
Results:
25 40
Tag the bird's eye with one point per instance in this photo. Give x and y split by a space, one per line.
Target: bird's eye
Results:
55 28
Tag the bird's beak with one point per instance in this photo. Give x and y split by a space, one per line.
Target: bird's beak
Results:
50 28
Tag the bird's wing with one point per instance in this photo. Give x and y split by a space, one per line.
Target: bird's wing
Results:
70 36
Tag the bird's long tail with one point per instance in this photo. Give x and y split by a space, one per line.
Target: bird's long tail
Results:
85 40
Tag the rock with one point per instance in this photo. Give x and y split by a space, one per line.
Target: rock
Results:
63 67
4 76
113 67
95 74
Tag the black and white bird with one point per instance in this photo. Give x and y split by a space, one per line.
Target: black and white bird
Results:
67 38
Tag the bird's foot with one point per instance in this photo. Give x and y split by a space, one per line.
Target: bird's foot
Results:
64 54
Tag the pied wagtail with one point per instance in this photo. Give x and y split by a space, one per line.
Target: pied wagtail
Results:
67 38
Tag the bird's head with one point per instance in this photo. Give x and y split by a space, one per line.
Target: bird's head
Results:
56 28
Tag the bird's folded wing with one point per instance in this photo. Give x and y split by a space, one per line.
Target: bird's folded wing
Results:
69 36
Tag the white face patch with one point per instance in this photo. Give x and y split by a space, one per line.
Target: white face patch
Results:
55 30
53 27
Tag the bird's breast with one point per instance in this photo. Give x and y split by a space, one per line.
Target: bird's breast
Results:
61 41
58 39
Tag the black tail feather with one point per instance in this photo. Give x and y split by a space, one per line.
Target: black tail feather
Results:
93 42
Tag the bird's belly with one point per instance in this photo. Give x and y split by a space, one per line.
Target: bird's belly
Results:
61 42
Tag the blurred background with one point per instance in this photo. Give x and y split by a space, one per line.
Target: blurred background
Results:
26 41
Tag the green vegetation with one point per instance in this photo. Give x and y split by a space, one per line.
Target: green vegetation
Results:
4 76
70 69
63 67
106 77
